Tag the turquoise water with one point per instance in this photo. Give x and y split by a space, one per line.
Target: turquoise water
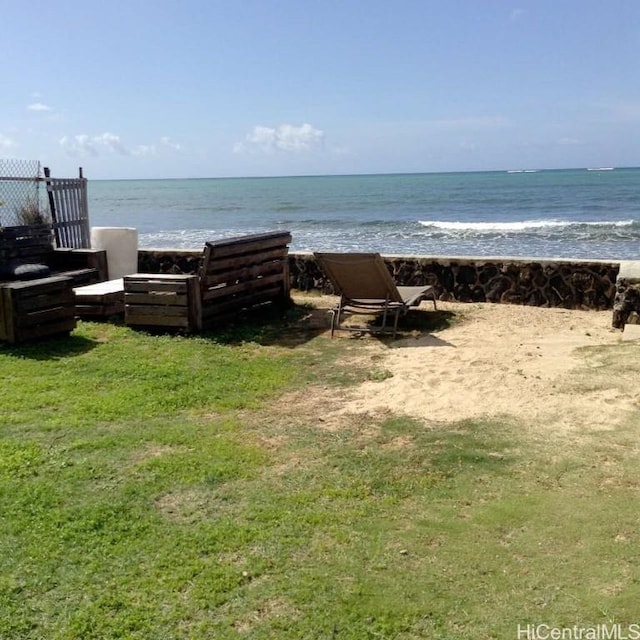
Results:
585 214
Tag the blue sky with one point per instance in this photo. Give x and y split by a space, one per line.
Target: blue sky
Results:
191 88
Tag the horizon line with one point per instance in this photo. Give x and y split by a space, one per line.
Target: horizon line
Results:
372 174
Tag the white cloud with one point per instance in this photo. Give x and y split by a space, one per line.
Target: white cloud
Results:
144 150
6 143
111 143
79 145
38 106
286 138
165 141
517 14
83 144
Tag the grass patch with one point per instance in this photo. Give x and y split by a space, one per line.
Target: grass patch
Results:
158 487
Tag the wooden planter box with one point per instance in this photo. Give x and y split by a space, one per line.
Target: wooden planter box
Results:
36 309
162 300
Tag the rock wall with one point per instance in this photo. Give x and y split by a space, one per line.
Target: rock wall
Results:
168 261
547 283
544 283
626 304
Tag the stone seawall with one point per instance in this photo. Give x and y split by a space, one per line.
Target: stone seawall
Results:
626 305
169 260
570 284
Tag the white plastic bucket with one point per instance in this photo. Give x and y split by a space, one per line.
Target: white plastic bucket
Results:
121 245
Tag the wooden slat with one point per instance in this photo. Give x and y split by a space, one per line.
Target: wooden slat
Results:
250 275
134 286
106 308
157 277
83 276
216 264
6 314
98 311
242 272
99 298
35 287
223 306
156 298
236 290
248 244
54 298
157 310
46 316
142 318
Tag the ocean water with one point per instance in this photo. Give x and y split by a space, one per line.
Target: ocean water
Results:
584 214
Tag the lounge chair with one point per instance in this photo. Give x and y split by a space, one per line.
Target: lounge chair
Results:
365 286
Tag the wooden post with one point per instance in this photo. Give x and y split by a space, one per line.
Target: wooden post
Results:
52 205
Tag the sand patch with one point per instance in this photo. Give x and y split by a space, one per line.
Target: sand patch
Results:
498 360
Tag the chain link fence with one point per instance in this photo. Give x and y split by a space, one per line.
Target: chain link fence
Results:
23 198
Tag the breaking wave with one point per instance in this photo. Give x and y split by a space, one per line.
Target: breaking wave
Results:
520 226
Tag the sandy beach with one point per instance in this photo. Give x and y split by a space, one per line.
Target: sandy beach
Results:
493 360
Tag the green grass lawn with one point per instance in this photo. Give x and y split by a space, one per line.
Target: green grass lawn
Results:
166 487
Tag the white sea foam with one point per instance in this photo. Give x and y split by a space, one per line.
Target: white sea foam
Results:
516 227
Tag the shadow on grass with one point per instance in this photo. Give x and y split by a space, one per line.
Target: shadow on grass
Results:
296 324
285 325
53 348
293 324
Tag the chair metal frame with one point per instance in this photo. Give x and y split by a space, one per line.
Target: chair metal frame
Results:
366 287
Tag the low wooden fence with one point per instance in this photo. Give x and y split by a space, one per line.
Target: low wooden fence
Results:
66 206
69 209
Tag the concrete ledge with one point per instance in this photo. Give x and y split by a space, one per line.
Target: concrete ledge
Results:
630 270
631 332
